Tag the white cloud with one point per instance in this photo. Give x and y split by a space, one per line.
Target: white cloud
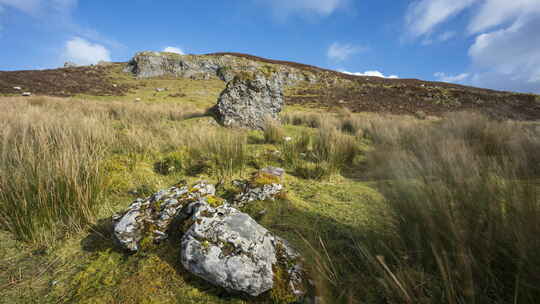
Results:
506 50
449 78
318 7
509 58
172 49
82 52
495 12
370 73
423 15
341 52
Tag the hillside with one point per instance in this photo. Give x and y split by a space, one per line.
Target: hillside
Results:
124 183
332 89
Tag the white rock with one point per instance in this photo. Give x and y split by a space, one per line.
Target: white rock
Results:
17 88
228 248
26 94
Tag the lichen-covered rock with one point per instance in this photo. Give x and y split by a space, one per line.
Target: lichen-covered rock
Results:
264 184
149 219
249 100
224 67
228 248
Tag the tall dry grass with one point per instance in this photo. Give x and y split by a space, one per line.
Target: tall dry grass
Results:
222 151
51 177
463 195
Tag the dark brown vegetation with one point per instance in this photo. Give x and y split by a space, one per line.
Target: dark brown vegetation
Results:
409 96
92 80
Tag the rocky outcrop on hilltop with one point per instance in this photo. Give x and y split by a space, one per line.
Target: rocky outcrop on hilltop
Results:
224 67
220 244
249 100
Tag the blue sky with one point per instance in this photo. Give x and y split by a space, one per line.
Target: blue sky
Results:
485 43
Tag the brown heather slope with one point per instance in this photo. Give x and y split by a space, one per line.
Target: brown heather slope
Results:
358 93
403 96
63 82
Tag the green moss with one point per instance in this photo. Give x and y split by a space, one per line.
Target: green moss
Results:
260 179
281 292
310 170
214 201
101 273
171 163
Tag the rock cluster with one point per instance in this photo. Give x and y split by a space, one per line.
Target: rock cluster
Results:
220 244
249 100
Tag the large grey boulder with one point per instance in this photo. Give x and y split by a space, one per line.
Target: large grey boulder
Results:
249 100
149 219
228 248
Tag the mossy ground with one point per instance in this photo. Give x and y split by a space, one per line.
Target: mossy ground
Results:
199 93
88 268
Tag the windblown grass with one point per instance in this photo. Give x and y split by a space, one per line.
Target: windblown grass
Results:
464 201
54 152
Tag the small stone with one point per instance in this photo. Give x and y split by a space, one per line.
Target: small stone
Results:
279 172
161 89
17 88
287 138
26 94
137 99
115 85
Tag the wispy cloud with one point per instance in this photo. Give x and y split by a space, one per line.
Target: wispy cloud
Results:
342 51
370 73
80 51
424 15
451 78
506 50
57 15
173 49
284 8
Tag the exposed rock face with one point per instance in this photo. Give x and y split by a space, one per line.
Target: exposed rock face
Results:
150 218
228 248
249 100
224 67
